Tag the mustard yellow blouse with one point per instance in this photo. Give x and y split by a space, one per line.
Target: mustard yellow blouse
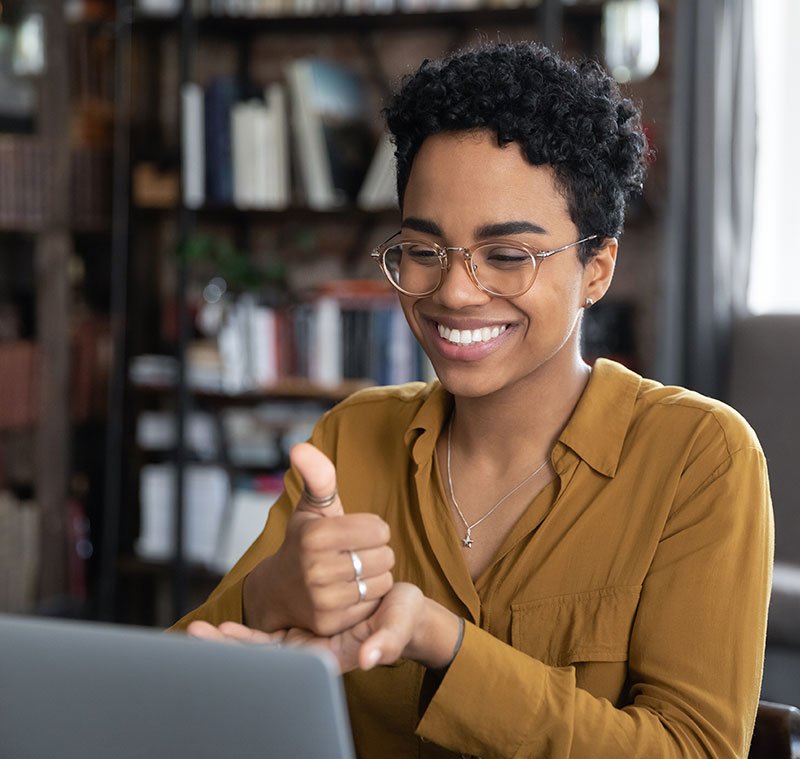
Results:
624 615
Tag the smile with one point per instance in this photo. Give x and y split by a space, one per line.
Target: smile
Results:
470 336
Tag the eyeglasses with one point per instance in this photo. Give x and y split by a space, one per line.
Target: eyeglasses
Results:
502 268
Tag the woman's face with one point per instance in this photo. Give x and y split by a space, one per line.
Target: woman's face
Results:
465 189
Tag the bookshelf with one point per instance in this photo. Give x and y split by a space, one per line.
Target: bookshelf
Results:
315 245
55 177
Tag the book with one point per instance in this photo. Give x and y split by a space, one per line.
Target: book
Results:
279 172
245 139
325 356
333 139
221 94
206 497
259 149
379 189
20 525
193 166
250 505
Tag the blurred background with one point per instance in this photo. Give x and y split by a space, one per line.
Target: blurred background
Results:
189 191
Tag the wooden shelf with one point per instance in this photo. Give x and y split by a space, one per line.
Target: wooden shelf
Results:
231 214
236 469
288 389
238 26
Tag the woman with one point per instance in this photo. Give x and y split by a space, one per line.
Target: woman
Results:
546 559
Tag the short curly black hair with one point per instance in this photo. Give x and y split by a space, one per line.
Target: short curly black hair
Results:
568 115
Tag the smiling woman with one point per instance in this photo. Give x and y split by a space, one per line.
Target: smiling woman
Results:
529 556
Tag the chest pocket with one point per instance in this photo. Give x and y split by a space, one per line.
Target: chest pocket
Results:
594 626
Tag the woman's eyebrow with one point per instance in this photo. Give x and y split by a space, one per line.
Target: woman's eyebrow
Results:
507 228
422 225
484 232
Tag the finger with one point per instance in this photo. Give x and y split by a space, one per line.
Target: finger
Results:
319 477
337 597
235 631
341 567
384 647
204 630
354 532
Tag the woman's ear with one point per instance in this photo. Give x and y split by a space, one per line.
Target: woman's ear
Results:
599 270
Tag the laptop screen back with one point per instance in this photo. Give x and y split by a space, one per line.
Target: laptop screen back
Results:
70 689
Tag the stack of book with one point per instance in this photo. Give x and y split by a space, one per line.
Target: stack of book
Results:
207 495
235 152
331 125
220 521
352 329
239 151
250 503
26 180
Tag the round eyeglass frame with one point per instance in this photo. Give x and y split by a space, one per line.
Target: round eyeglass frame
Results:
379 256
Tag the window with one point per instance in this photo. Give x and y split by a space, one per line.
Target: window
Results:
775 265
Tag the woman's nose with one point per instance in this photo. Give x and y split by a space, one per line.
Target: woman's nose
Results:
457 289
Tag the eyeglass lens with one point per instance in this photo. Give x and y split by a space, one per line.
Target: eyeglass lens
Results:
500 269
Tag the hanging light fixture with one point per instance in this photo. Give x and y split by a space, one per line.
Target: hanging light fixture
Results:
630 38
29 57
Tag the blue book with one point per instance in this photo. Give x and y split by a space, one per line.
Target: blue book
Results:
220 97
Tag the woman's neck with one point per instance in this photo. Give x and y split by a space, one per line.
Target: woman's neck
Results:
524 419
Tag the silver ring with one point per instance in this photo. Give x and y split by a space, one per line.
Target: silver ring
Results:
362 590
320 502
358 567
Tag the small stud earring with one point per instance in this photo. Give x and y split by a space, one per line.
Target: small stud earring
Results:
588 303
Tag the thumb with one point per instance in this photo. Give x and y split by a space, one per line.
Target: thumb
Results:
318 474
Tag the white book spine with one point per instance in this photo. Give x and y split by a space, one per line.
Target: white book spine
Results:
309 138
379 188
207 498
193 168
262 347
262 147
325 361
248 514
239 153
232 351
276 97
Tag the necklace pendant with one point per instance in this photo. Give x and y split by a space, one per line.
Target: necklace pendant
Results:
467 541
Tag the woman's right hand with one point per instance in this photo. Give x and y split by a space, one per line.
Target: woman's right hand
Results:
310 582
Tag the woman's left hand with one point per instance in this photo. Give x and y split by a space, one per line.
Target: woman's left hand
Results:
406 624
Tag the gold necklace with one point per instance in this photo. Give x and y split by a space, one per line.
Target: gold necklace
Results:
467 540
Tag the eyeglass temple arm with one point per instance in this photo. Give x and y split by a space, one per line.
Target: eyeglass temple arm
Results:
548 253
390 237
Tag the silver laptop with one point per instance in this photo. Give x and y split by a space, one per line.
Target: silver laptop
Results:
77 689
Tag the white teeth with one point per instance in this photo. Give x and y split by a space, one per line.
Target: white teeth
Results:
467 336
